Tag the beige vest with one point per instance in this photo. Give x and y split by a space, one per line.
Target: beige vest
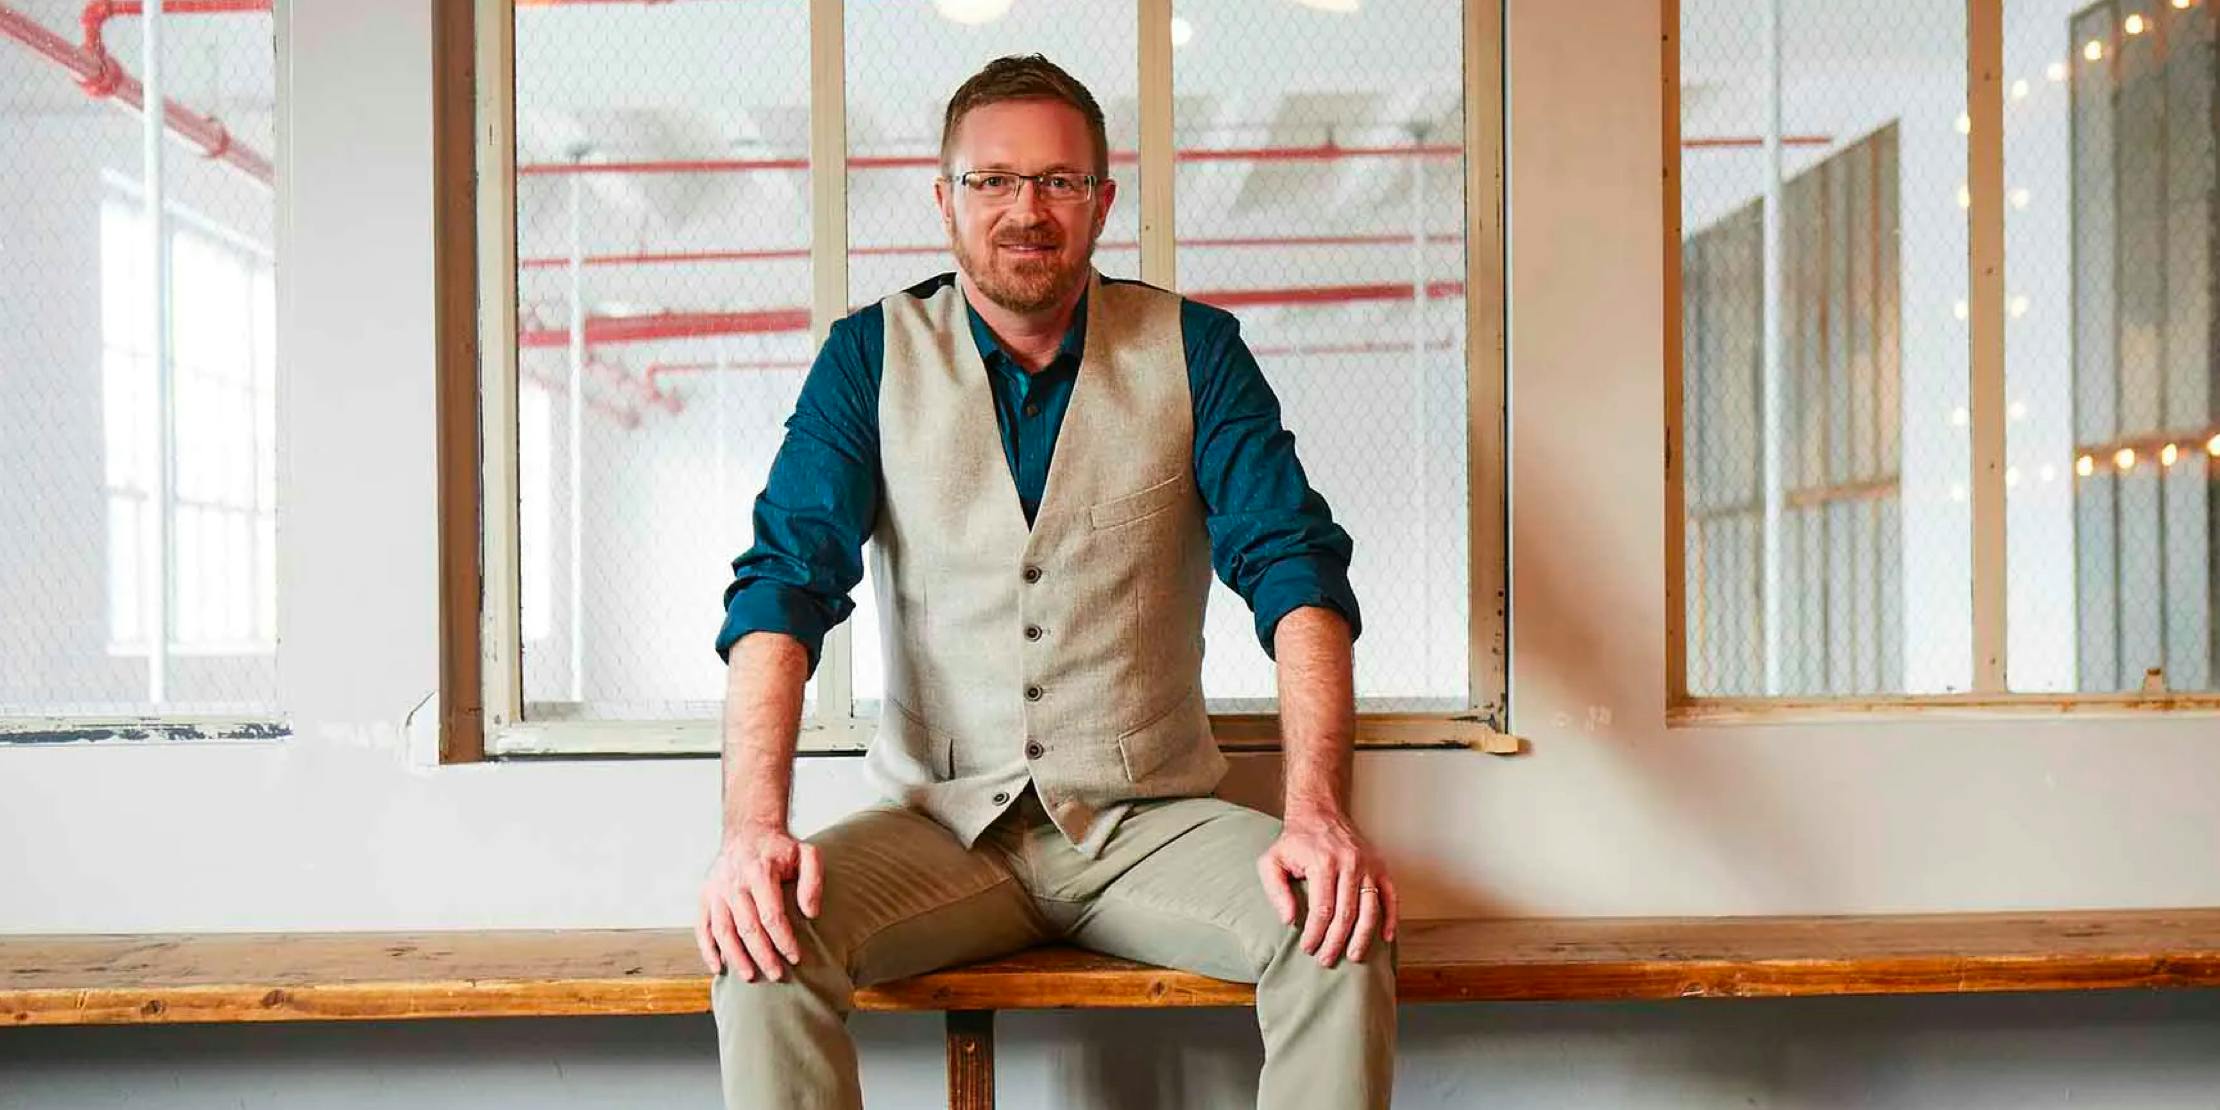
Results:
1069 655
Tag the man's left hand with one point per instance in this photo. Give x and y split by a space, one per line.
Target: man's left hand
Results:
1351 897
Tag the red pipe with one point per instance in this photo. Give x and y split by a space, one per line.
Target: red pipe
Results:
1323 152
701 325
790 254
103 77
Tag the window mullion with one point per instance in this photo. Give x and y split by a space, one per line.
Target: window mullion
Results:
1159 259
1487 654
501 629
1985 385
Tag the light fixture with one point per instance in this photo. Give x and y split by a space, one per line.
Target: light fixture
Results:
2019 308
2056 71
2183 5
2168 454
2212 446
2019 89
2085 466
2017 410
2094 51
2134 25
1958 417
972 11
2048 473
2020 197
1957 491
1965 197
1182 32
1959 310
1965 124
2124 458
2011 476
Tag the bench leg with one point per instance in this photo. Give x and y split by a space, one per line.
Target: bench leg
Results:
971 1060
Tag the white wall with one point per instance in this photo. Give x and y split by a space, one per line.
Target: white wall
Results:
345 827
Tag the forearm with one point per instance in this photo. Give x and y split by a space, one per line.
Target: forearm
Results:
763 714
1318 717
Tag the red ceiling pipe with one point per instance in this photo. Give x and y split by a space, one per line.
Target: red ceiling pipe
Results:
701 325
790 254
102 76
1323 152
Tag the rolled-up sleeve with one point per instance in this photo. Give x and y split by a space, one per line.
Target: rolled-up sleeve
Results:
1273 538
818 505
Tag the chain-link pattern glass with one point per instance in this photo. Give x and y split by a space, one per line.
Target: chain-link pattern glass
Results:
2114 406
1860 400
85 582
1320 191
663 290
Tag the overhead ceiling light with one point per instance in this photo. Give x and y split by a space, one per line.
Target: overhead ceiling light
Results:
972 11
1330 5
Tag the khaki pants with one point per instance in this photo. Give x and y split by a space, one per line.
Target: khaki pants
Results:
1176 886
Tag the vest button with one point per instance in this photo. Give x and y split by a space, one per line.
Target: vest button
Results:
1034 750
1032 410
1032 632
1032 693
1001 798
1032 574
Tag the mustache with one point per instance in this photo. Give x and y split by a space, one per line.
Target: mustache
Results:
1024 240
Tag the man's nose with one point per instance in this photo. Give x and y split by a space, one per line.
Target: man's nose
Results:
1028 198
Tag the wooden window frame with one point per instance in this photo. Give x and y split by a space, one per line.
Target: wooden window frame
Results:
1991 696
482 711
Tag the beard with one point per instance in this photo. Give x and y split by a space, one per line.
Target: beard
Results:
1024 285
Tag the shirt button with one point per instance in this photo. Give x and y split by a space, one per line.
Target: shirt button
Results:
1032 410
1032 632
1034 750
1032 693
1001 798
1032 574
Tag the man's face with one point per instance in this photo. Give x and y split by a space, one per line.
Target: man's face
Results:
1023 252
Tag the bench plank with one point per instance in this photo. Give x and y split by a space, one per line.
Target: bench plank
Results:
237 977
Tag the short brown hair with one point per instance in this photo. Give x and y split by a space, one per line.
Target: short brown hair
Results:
1023 77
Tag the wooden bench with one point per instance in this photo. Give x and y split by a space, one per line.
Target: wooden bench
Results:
246 977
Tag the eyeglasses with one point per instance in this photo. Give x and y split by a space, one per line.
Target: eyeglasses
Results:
1051 188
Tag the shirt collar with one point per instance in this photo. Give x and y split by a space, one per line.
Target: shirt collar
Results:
1067 352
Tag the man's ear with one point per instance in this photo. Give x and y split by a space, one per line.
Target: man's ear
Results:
1109 194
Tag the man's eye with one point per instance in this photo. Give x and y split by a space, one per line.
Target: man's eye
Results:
990 181
1059 183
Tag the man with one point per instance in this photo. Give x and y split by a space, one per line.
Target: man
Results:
1046 464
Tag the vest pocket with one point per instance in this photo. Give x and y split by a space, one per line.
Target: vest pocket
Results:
1180 729
920 746
1132 507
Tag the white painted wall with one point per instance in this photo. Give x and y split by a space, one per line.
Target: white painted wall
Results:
346 827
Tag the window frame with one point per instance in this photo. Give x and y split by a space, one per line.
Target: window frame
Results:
1991 696
481 668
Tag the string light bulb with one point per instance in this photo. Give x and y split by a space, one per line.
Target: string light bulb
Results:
2020 197
2183 5
1965 197
2011 476
1965 124
2094 51
2124 458
2056 71
2019 305
2085 466
1959 416
1182 32
2048 473
2212 446
1959 310
2134 25
2168 454
2019 89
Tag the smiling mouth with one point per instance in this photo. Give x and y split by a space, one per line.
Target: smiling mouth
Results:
1029 248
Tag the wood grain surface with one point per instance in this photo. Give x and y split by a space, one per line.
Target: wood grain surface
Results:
225 977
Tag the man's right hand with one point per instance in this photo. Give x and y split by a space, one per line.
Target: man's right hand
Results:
742 925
